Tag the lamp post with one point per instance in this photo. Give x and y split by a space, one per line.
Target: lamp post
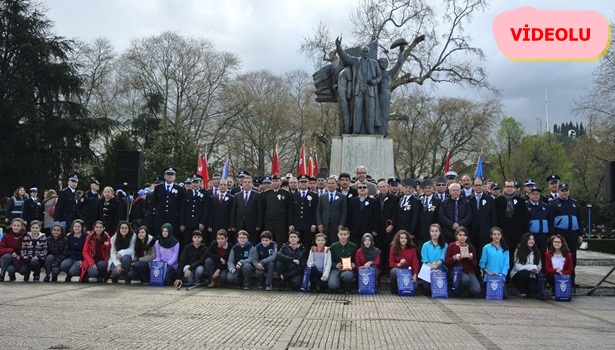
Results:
589 220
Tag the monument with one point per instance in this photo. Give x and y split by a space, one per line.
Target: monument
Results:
360 84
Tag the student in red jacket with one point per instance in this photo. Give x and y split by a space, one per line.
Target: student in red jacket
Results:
558 259
368 256
96 253
402 256
10 249
454 258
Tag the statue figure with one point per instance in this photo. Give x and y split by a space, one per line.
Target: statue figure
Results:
384 91
365 80
344 99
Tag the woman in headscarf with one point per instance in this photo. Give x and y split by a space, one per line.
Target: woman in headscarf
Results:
368 256
167 250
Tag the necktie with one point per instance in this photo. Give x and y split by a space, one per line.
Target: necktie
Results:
245 197
478 202
215 191
426 205
456 211
302 194
221 198
403 202
168 188
331 198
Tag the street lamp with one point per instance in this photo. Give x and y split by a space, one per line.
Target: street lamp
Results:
589 220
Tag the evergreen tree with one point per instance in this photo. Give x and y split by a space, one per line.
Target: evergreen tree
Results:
45 134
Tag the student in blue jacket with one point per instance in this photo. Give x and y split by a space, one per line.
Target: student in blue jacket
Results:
495 258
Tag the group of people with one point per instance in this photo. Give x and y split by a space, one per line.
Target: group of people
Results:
297 221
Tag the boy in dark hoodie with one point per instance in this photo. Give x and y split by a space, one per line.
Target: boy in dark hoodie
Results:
192 261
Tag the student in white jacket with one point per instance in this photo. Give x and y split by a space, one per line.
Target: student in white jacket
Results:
320 262
527 266
122 251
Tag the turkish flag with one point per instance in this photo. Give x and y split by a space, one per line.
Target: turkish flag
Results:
302 163
202 169
275 163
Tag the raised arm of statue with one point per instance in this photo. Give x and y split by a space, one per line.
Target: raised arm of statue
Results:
400 62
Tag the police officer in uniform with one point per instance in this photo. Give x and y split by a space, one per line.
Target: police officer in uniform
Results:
276 202
32 208
302 210
67 203
553 183
167 201
149 218
538 213
565 219
88 204
194 211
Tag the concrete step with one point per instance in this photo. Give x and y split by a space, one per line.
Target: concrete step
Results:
589 258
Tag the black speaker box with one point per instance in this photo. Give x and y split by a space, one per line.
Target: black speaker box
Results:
128 168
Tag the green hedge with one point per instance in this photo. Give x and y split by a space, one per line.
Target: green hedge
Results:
602 245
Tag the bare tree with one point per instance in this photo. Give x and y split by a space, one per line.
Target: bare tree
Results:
188 72
424 128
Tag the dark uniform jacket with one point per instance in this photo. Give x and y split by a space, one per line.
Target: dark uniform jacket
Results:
65 206
195 209
302 211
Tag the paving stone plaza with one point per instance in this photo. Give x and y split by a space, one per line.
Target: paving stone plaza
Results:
94 316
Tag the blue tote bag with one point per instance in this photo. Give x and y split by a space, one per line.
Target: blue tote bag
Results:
563 287
456 279
494 287
157 273
305 283
404 282
367 281
439 284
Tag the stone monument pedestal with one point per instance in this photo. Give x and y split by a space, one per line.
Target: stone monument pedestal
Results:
372 151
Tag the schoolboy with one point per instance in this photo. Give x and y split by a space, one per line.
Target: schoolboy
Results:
267 251
216 258
342 249
192 260
290 262
241 261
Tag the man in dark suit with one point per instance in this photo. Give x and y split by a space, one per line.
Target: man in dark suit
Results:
332 210
363 215
88 205
215 185
429 213
409 209
67 203
484 216
166 200
32 208
247 210
194 212
441 188
302 211
513 218
220 215
388 204
344 183
454 212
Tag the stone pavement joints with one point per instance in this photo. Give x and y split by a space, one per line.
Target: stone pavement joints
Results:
77 316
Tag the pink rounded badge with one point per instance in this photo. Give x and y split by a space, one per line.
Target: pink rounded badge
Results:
528 34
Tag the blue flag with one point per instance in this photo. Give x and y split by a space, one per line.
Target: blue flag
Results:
225 169
479 167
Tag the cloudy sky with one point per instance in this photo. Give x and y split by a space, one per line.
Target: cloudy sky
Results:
267 35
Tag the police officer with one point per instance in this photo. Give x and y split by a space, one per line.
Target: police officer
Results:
32 208
67 202
167 201
565 219
149 218
194 211
553 183
538 214
276 202
302 210
88 204
528 184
